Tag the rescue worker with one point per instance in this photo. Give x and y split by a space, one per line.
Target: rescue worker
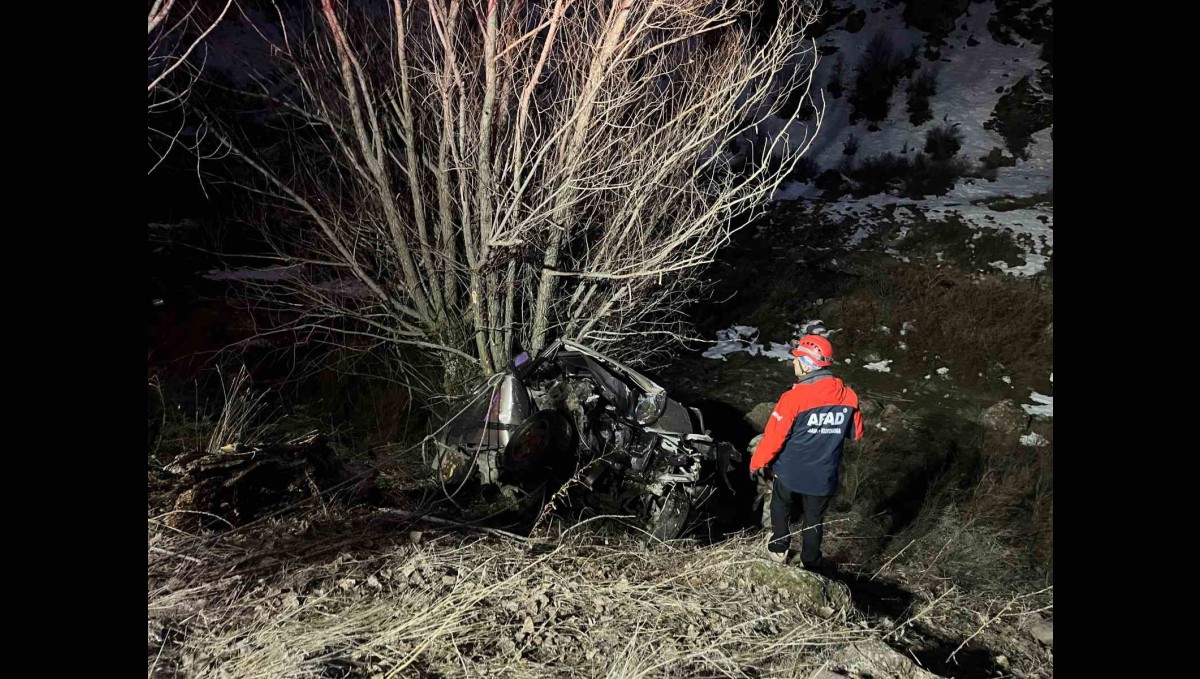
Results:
802 447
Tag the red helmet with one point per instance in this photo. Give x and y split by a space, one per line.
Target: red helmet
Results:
816 349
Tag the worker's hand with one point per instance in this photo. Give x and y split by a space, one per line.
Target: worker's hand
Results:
754 444
761 473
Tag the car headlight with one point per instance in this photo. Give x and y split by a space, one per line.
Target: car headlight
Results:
649 408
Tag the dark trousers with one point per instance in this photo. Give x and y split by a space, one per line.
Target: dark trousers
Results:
787 506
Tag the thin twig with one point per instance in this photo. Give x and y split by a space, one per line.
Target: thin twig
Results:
160 550
885 565
404 514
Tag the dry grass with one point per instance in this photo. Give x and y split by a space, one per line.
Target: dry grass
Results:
993 325
244 416
981 585
239 419
325 595
978 504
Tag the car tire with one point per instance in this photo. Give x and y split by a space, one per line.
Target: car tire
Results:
669 514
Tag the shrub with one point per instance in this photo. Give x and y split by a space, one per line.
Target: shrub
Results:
1022 111
805 171
914 178
920 88
943 142
875 79
835 86
850 146
996 158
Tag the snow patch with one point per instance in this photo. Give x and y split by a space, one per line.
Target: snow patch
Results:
741 338
1034 439
1034 264
1044 405
974 71
270 274
880 366
859 236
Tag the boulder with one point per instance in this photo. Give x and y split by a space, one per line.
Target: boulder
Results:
1005 417
1043 631
758 415
876 659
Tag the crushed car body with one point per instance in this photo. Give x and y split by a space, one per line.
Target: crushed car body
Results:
571 414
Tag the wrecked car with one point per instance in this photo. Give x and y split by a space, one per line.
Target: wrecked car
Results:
572 415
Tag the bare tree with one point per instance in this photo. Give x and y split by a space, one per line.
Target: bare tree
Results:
174 31
466 175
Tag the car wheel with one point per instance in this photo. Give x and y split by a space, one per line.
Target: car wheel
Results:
669 513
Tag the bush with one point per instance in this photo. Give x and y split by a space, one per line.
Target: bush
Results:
943 142
835 86
856 21
996 158
920 88
850 146
916 178
833 183
1020 19
806 170
800 104
875 79
1021 112
936 17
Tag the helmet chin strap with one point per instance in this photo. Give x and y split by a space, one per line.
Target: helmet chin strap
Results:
803 369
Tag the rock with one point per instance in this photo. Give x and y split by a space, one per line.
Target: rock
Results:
1005 417
876 659
758 416
806 589
1043 631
